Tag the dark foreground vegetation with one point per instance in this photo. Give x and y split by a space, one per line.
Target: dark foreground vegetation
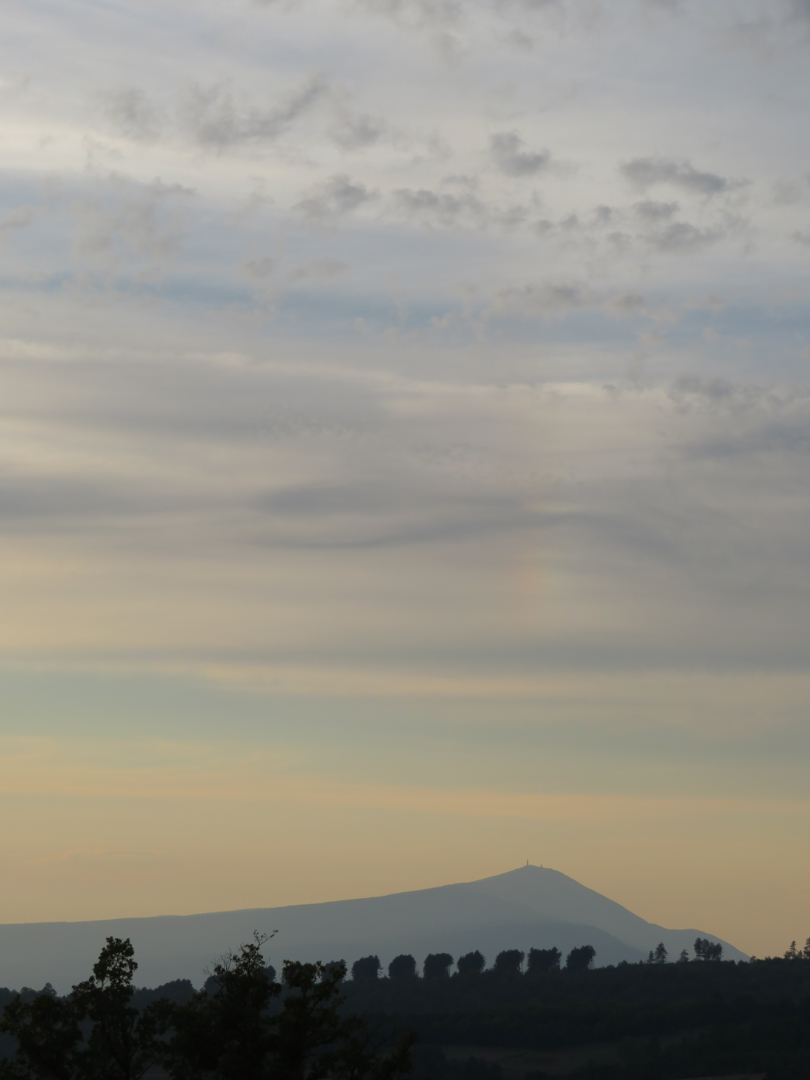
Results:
524 1018
242 1026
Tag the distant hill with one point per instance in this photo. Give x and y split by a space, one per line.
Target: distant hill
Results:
532 907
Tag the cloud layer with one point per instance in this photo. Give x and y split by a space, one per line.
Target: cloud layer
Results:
439 364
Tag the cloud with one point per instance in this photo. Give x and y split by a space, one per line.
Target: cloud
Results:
656 212
681 236
133 115
318 270
511 159
335 197
649 171
356 131
457 211
442 208
792 191
216 121
260 268
535 301
20 218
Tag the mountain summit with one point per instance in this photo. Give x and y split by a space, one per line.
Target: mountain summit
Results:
532 907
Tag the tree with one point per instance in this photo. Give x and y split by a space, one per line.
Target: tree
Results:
436 965
367 967
402 967
806 950
472 963
708 950
240 1033
313 1040
543 960
121 1042
793 953
580 959
660 954
48 1039
509 962
684 957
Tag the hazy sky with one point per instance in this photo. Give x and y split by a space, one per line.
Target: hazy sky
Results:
405 453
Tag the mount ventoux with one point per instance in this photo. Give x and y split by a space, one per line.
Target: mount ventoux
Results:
531 907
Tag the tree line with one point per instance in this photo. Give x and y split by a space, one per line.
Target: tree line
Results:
511 962
244 1025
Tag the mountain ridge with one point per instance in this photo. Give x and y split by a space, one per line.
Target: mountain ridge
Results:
523 908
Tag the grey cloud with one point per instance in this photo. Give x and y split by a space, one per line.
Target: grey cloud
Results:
456 211
356 132
792 191
444 208
133 115
318 270
147 217
800 9
216 121
418 14
802 237
260 268
507 151
627 305
681 236
533 301
649 171
337 196
651 211
25 501
20 218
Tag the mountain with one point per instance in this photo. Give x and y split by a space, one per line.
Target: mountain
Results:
532 907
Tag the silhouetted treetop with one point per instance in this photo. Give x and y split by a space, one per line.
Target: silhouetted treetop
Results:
367 967
472 963
509 962
402 967
708 950
580 959
436 965
543 960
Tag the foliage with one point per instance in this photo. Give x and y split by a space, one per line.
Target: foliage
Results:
402 967
708 950
472 963
543 960
436 965
367 967
580 959
242 1026
509 962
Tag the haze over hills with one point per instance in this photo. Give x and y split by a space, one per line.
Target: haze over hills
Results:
524 908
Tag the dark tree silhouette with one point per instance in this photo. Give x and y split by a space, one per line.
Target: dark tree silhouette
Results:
231 1030
48 1038
659 956
580 959
402 967
708 950
123 1043
472 963
233 1035
436 965
684 957
509 962
543 960
367 967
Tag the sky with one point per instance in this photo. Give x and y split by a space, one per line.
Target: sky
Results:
405 453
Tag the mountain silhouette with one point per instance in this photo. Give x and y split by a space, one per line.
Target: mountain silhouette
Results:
532 907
